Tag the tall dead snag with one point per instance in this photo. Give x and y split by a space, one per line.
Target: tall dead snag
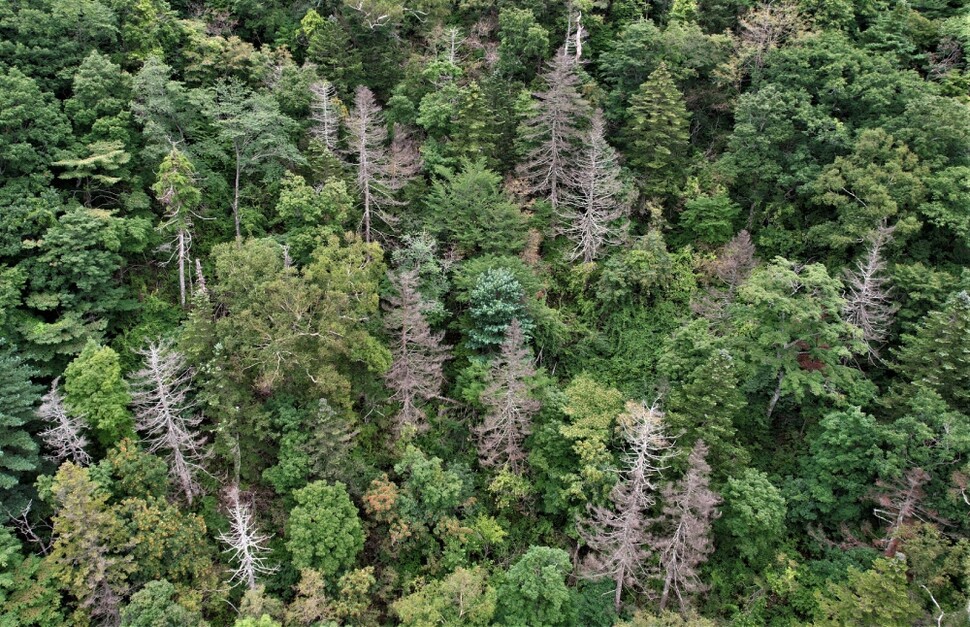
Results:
734 263
690 506
64 435
900 504
594 204
868 302
381 171
418 353
245 544
554 131
325 114
618 535
159 395
510 407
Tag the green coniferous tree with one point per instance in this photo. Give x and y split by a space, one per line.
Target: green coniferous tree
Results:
18 451
658 134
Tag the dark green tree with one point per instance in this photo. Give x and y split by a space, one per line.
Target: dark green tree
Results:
18 396
534 592
657 134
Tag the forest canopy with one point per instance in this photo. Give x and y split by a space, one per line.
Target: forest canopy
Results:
484 312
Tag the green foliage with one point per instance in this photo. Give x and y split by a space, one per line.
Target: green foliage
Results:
878 596
754 516
155 606
493 304
469 209
936 354
523 43
464 597
324 531
657 133
533 591
710 219
18 396
95 390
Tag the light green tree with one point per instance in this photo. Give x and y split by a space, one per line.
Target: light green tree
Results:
324 531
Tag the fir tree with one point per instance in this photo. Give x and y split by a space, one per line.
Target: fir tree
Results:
657 133
18 396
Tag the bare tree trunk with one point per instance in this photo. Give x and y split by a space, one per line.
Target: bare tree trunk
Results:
182 256
776 395
235 197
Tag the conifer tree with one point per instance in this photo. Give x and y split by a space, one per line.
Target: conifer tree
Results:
160 395
381 171
19 451
418 353
510 408
690 506
657 133
868 303
553 132
176 191
594 204
937 355
619 535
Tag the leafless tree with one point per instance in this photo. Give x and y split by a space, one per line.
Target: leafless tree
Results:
381 171
160 396
510 407
245 544
554 130
690 506
733 264
418 353
900 503
618 535
766 27
868 301
594 204
325 113
64 435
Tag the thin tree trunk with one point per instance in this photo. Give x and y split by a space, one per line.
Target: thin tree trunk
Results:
182 255
776 395
235 199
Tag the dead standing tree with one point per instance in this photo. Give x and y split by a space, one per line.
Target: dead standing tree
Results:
245 544
381 170
553 132
619 534
690 506
325 114
417 353
594 204
510 407
868 295
160 396
64 435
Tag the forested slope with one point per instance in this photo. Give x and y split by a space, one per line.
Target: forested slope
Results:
484 312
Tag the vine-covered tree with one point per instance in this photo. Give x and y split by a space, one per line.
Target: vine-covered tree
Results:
175 189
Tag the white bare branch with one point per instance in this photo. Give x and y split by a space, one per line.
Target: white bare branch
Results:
64 435
246 545
163 412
